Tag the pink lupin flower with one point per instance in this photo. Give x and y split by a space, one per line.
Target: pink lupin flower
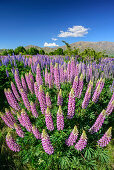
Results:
15 91
25 99
31 76
75 86
50 80
36 132
60 119
73 137
42 99
8 122
26 121
52 72
80 86
71 104
106 138
77 70
12 143
17 80
96 94
33 109
60 98
38 76
86 98
48 100
69 70
72 73
19 130
10 116
48 120
8 98
61 74
81 144
46 143
13 100
36 89
65 76
20 120
57 76
24 83
46 76
98 123
110 106
29 83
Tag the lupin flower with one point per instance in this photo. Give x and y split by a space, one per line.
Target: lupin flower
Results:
61 74
20 119
23 83
60 98
38 76
60 119
73 137
17 80
49 80
25 99
10 116
29 83
80 86
86 98
81 144
8 97
19 130
15 91
69 70
48 120
12 143
98 123
48 100
46 143
42 99
36 132
36 89
72 73
57 76
75 86
110 106
33 109
26 121
106 138
71 104
7 121
96 94
46 76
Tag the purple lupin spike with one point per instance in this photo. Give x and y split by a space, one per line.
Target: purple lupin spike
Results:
19 130
68 70
86 98
7 121
110 106
15 91
61 74
105 139
73 137
36 89
38 76
46 76
24 83
57 76
60 119
42 99
81 144
71 104
25 99
60 98
20 119
50 80
48 100
11 143
75 86
17 80
36 132
98 123
46 143
80 86
26 121
48 120
33 109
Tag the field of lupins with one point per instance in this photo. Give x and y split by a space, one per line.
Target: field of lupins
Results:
59 111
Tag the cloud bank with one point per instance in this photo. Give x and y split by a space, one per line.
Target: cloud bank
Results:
54 39
75 31
50 44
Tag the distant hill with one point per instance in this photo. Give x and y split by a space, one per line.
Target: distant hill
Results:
97 46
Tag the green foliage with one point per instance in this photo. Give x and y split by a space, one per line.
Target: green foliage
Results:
19 50
33 51
4 53
42 52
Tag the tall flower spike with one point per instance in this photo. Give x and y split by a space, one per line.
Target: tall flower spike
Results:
20 120
38 76
57 76
81 144
19 130
23 83
80 87
36 132
60 98
46 76
106 138
8 97
46 143
33 109
26 121
7 121
36 89
110 106
98 123
60 119
48 120
49 80
71 104
75 86
86 98
42 99
17 80
15 91
73 137
48 100
25 99
12 143
10 116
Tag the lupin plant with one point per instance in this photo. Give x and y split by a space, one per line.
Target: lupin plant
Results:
38 76
42 99
73 137
23 83
80 86
57 76
48 100
60 119
75 86
15 91
71 104
36 132
48 120
33 109
19 130
60 98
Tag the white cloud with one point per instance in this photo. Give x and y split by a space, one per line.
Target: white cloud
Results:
54 39
50 44
75 31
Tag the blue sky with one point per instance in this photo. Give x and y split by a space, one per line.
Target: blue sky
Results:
36 22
